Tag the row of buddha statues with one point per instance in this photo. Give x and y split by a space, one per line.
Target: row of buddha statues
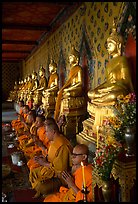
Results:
70 100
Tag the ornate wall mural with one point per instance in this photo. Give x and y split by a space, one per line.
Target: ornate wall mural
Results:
97 19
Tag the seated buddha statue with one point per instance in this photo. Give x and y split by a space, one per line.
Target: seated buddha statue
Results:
13 93
53 79
29 88
26 88
73 86
49 94
34 82
118 78
21 83
23 88
118 81
41 87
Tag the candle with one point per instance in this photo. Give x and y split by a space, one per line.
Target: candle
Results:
83 176
97 136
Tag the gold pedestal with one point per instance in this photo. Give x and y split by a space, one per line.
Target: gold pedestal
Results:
126 173
89 133
74 109
49 102
38 97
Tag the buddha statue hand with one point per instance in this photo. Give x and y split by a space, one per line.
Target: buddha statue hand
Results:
73 91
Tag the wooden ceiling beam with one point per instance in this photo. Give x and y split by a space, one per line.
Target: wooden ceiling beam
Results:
26 27
23 42
16 51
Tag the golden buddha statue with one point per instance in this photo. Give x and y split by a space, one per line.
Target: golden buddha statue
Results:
53 79
41 87
23 87
34 82
73 86
49 94
21 83
100 107
118 74
28 88
13 93
70 99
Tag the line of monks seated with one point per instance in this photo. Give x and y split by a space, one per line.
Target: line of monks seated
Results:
55 165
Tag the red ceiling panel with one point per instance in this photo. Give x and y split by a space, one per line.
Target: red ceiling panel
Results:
12 47
20 35
25 23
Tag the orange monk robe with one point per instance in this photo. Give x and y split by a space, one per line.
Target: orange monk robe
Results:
20 125
73 74
24 139
35 149
67 194
13 122
59 157
20 113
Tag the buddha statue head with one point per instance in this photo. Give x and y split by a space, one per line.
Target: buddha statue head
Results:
34 75
114 42
41 71
25 79
29 78
52 66
74 56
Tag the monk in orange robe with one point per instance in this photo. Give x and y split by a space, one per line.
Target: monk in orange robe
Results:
28 130
21 105
44 179
75 180
40 145
19 126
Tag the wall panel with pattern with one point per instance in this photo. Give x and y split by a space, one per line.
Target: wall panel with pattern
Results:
92 19
10 73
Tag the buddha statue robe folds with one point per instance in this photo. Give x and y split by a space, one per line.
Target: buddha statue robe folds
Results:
41 87
49 94
70 99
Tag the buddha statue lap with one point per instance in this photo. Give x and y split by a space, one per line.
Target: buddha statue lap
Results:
70 99
49 94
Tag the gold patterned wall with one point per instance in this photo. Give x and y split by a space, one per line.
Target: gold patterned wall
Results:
97 17
10 74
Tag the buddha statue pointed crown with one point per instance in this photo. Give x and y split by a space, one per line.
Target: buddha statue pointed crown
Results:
74 52
42 69
115 36
34 73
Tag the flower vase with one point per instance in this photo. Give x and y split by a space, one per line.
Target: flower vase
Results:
130 140
106 190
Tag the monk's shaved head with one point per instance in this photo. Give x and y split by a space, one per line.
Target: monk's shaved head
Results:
81 149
